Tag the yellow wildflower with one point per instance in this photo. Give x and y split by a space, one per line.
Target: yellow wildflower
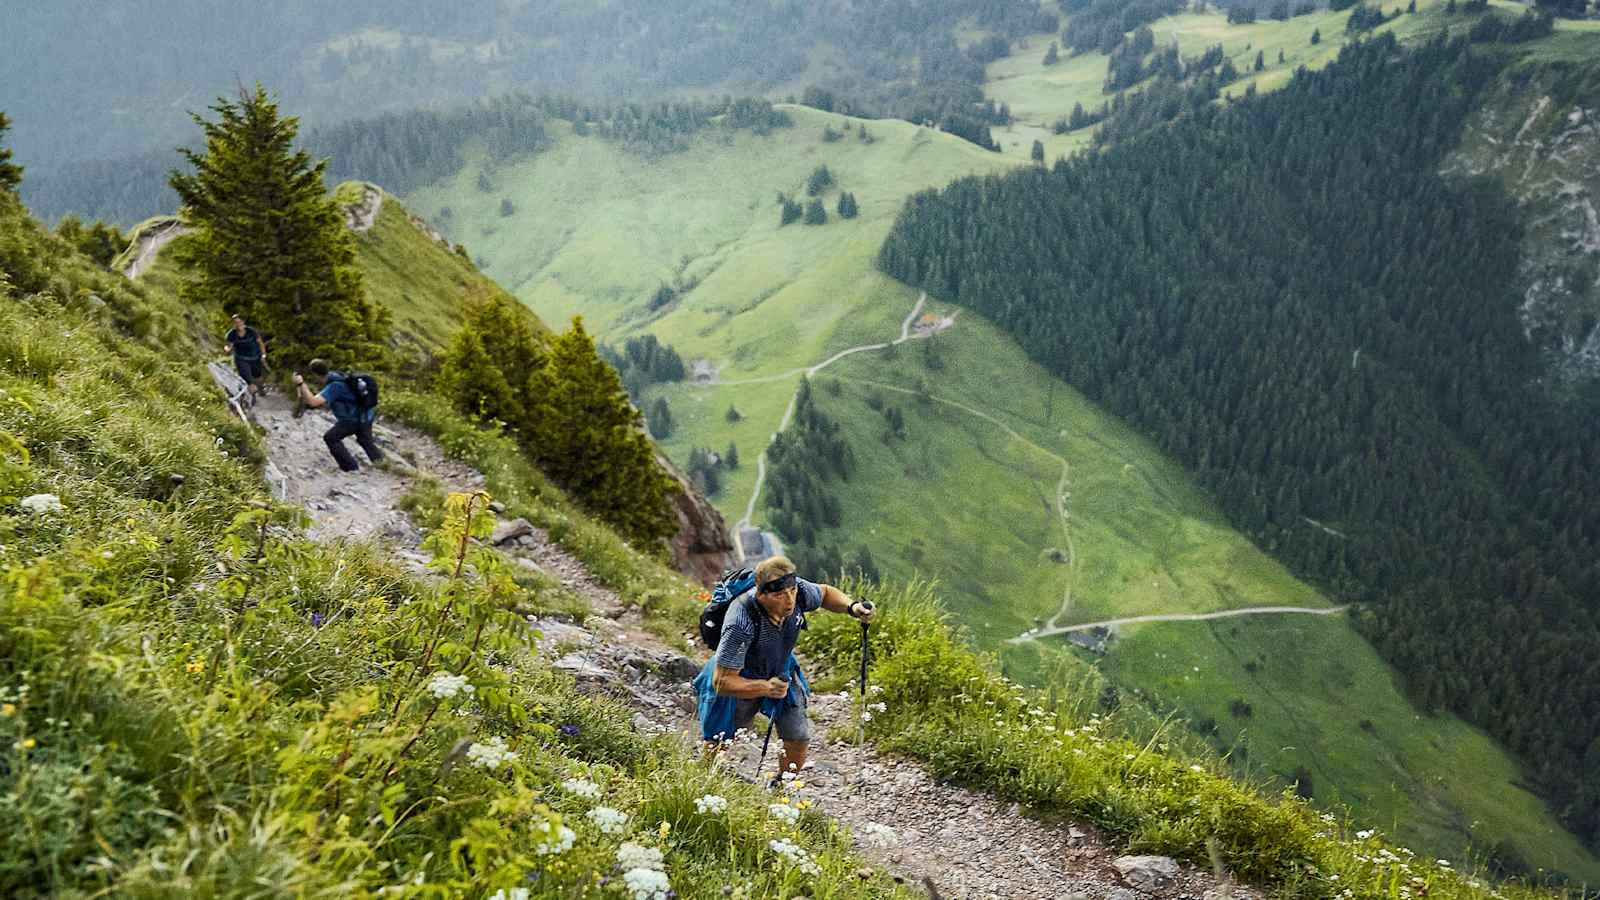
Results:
8 710
665 828
28 744
195 667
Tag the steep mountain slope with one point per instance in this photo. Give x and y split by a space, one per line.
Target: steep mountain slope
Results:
594 230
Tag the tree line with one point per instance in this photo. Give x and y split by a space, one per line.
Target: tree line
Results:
1286 296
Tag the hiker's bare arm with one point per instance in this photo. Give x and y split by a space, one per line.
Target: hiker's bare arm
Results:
729 683
835 600
314 401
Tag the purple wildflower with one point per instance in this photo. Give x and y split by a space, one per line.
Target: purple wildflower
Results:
569 729
317 619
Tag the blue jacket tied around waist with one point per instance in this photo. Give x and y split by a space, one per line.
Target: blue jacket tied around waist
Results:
716 710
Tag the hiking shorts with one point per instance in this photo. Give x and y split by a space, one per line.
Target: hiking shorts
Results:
250 370
792 724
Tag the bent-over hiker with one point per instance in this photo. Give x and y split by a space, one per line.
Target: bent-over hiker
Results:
754 668
350 416
249 354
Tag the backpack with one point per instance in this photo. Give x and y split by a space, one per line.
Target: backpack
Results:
733 584
364 388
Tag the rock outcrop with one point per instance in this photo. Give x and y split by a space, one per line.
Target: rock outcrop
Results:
702 547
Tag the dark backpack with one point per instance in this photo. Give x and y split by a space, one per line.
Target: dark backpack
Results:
731 586
364 388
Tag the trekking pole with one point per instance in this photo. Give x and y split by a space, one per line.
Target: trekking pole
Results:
762 762
861 721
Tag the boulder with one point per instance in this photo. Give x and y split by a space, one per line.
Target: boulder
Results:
506 532
1146 873
680 668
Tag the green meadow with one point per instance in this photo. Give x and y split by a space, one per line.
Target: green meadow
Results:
969 496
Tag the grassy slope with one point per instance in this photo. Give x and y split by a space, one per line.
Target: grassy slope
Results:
596 231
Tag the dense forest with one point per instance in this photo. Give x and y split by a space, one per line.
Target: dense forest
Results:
130 96
1285 295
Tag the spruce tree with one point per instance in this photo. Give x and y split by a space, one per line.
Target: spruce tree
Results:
660 419
10 173
592 443
269 244
1052 56
731 457
1038 152
816 213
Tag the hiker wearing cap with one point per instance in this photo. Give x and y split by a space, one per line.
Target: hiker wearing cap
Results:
353 401
249 354
754 665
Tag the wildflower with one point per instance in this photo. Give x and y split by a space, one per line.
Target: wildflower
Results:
445 686
1363 835
795 855
875 690
711 804
490 755
513 894
638 856
40 504
581 787
7 710
26 744
1443 862
569 729
556 844
608 820
317 619
866 716
874 834
195 667
664 830
1197 768
878 707
788 814
647 884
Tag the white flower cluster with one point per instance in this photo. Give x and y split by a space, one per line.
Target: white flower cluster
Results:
795 854
39 504
444 685
877 835
711 804
555 844
491 755
608 820
783 811
647 884
513 894
581 787
638 856
879 707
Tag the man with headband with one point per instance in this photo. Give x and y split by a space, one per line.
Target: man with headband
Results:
754 662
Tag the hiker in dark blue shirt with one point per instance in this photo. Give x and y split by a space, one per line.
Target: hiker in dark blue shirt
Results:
249 355
754 660
350 417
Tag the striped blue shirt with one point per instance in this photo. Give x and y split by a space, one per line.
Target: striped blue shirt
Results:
755 647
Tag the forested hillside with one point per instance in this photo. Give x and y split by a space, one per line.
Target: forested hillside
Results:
918 60
1286 295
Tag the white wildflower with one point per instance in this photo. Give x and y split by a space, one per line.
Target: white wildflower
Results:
556 844
444 685
878 707
866 716
638 856
513 894
581 787
1363 835
783 811
490 755
1197 768
608 820
795 855
39 504
875 690
1443 862
711 804
647 884
874 834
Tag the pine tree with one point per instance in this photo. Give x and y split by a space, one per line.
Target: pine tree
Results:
816 213
1038 152
819 182
1316 35
593 445
847 206
269 243
660 419
1052 56
1261 60
495 365
10 173
731 457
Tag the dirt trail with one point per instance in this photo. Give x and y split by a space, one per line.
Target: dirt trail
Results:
149 247
1050 630
969 845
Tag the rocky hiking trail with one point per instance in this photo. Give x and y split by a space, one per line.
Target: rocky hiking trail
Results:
951 842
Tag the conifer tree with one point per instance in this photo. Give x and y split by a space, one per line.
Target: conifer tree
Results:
10 173
1038 151
660 419
731 457
816 213
269 243
593 444
495 365
1052 56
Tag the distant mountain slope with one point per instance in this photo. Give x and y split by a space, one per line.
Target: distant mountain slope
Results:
1288 297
